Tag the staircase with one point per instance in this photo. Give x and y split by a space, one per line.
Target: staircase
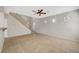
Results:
26 21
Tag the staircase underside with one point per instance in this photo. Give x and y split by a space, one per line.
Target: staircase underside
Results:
39 43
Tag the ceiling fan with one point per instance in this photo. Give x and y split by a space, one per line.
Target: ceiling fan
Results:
39 12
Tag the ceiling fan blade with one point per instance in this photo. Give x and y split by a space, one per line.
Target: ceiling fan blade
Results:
39 11
43 13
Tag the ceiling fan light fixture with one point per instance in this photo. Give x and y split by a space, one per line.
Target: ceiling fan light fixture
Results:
39 12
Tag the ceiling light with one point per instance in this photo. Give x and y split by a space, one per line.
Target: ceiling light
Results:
53 20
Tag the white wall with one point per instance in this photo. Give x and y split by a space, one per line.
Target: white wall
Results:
15 28
66 25
1 28
1 19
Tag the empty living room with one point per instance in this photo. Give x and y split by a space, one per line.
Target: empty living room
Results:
39 29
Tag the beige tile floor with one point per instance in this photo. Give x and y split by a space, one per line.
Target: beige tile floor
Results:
35 43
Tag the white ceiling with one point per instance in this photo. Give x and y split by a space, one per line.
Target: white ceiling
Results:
27 10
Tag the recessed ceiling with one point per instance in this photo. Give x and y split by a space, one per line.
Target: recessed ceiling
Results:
27 10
